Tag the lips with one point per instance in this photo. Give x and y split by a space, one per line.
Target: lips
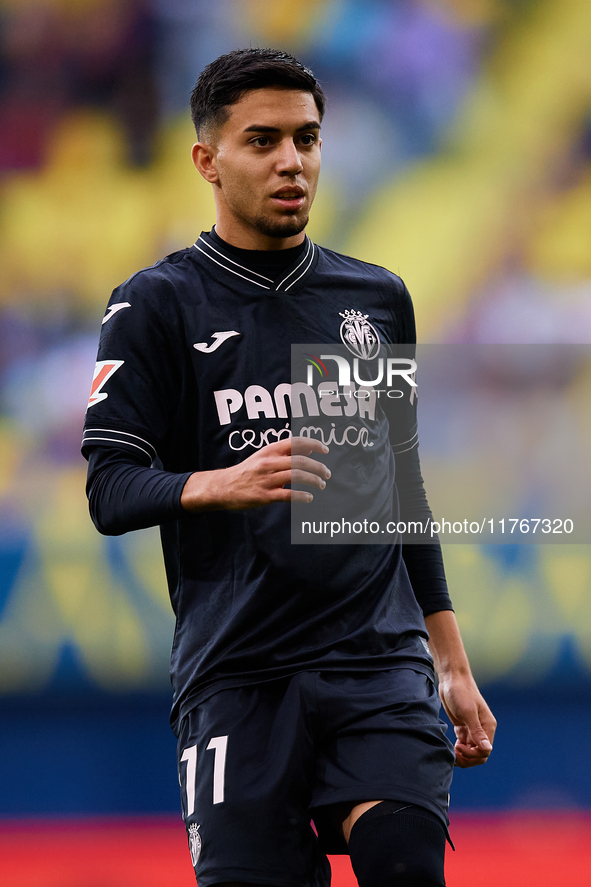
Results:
289 192
289 197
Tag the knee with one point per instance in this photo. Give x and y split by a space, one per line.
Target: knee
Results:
398 845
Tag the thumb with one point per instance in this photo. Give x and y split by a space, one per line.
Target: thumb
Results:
477 733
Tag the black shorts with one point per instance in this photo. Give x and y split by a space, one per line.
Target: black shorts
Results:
257 763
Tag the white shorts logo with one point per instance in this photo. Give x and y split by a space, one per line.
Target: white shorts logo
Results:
195 843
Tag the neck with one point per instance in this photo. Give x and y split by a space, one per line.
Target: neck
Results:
269 263
253 239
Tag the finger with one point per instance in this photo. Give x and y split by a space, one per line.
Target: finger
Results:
305 445
480 739
477 735
270 465
284 447
472 751
279 479
490 725
304 463
284 494
299 496
462 735
465 761
470 755
299 445
294 463
307 479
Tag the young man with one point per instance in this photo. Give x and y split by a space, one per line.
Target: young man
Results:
303 683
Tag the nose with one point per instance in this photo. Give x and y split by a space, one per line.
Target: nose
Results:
289 162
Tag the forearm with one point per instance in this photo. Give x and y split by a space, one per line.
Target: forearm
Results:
446 645
207 491
423 560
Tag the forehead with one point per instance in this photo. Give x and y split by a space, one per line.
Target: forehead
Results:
273 106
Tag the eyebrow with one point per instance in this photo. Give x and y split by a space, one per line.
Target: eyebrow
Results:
313 124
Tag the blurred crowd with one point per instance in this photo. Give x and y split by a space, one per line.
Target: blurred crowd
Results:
59 56
137 60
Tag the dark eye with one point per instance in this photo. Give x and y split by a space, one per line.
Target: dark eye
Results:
260 141
308 139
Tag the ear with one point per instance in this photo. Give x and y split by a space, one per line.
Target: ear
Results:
204 159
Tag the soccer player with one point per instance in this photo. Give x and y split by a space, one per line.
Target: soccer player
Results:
302 678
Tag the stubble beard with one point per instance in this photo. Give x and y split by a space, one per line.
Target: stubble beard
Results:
286 227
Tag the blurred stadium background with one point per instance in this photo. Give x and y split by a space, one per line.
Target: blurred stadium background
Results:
457 152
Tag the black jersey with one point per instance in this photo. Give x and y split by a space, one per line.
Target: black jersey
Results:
193 373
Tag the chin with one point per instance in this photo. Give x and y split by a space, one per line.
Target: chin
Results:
287 227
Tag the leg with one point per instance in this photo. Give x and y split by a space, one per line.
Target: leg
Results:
357 811
386 741
394 844
245 763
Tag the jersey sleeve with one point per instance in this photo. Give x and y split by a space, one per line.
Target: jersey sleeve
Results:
423 561
137 378
123 494
402 410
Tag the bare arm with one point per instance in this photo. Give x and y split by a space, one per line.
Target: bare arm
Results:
473 721
260 479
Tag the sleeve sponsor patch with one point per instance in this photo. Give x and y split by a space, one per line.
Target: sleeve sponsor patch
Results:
103 371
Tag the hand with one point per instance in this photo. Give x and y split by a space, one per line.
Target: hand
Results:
474 723
260 479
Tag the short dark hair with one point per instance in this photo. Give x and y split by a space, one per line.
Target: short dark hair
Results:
224 81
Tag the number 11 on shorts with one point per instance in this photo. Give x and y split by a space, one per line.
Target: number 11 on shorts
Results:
219 745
